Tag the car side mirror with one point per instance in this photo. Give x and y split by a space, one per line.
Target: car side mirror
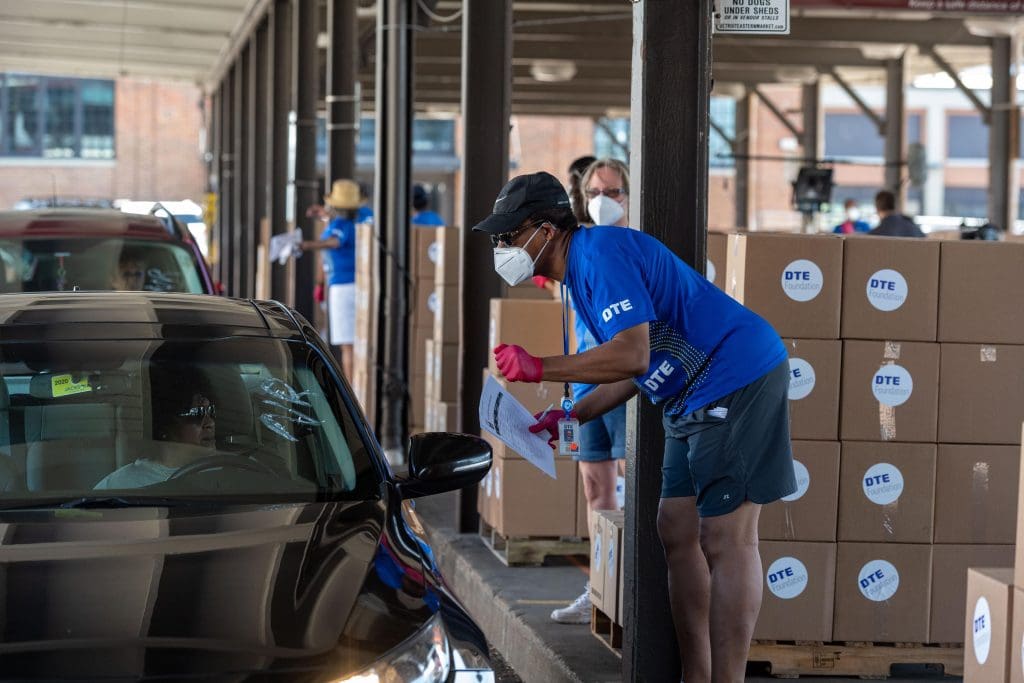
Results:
442 461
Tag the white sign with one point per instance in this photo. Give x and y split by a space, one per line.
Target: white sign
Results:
752 16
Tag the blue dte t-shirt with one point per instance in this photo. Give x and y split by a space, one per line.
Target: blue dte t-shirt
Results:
428 219
704 344
584 342
340 262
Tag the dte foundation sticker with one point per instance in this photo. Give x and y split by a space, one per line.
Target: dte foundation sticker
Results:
892 385
883 483
801 379
803 482
887 290
878 580
982 630
802 280
709 271
787 578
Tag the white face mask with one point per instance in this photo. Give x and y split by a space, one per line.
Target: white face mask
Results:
605 210
853 214
514 264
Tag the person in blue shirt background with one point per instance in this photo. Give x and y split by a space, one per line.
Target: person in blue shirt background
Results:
422 215
852 222
718 371
338 242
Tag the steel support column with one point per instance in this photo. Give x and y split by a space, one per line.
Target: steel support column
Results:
670 97
486 112
895 125
258 78
238 189
278 102
216 142
304 84
810 103
741 151
342 89
244 258
394 104
1000 156
228 193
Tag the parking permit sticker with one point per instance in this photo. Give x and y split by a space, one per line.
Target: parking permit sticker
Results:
66 385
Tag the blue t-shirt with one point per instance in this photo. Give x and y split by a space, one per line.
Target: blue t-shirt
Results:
427 219
364 213
848 227
340 262
704 344
584 342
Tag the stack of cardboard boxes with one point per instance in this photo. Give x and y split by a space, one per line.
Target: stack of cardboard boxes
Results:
905 389
606 579
435 347
364 374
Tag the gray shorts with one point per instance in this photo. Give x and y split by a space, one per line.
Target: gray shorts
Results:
734 449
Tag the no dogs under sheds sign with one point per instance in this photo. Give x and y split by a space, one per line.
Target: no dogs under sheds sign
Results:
752 16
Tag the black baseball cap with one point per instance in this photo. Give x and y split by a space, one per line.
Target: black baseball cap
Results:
521 197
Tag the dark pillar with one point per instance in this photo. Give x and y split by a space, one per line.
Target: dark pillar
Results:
742 150
669 164
1000 155
395 19
486 111
229 191
342 89
895 123
811 105
304 95
258 148
243 236
238 189
278 103
213 226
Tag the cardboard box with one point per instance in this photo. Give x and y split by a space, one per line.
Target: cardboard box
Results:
810 513
529 503
887 492
949 584
889 391
612 542
445 372
535 397
977 301
429 381
445 307
423 266
487 508
526 290
444 252
421 293
890 289
799 591
988 625
976 494
1017 637
814 369
792 281
981 395
717 249
534 325
446 417
883 592
597 560
418 351
417 403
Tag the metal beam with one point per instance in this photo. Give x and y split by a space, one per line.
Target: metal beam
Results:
777 113
895 120
278 102
343 99
857 99
810 104
671 92
258 150
722 134
227 253
304 184
984 109
1004 115
486 98
395 21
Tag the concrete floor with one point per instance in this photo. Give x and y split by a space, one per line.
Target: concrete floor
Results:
513 604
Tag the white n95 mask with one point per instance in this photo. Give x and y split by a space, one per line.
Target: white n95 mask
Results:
514 264
605 210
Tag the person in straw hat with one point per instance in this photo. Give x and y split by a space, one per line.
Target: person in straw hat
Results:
338 243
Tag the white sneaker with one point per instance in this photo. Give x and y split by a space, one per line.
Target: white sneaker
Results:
576 613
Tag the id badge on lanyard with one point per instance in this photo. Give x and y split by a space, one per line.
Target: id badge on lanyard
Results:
568 426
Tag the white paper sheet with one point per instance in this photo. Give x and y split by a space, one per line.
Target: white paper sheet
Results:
285 245
506 418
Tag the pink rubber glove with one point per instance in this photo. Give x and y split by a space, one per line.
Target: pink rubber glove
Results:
549 423
541 281
318 294
516 365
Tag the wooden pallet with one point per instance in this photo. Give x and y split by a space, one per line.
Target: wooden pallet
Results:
864 660
606 630
517 551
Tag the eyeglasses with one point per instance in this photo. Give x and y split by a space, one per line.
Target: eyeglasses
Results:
506 237
199 413
610 192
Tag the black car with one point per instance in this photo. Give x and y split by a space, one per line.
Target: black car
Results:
189 492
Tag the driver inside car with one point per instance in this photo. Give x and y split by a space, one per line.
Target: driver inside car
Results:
184 430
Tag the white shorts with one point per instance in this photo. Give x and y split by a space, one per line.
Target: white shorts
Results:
341 313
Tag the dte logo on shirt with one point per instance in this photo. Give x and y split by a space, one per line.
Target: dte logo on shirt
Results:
615 309
659 376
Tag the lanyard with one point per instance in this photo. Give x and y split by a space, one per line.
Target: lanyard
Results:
567 402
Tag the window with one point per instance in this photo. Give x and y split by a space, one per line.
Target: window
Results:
611 139
855 135
56 118
429 136
966 137
966 202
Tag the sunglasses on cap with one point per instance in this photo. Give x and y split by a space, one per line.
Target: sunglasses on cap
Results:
199 413
610 192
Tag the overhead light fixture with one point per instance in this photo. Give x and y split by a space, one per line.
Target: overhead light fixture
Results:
553 70
882 51
796 74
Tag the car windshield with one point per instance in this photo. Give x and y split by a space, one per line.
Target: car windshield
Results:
220 420
62 264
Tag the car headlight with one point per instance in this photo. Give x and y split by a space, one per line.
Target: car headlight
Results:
423 658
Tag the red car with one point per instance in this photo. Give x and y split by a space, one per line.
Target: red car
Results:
93 249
